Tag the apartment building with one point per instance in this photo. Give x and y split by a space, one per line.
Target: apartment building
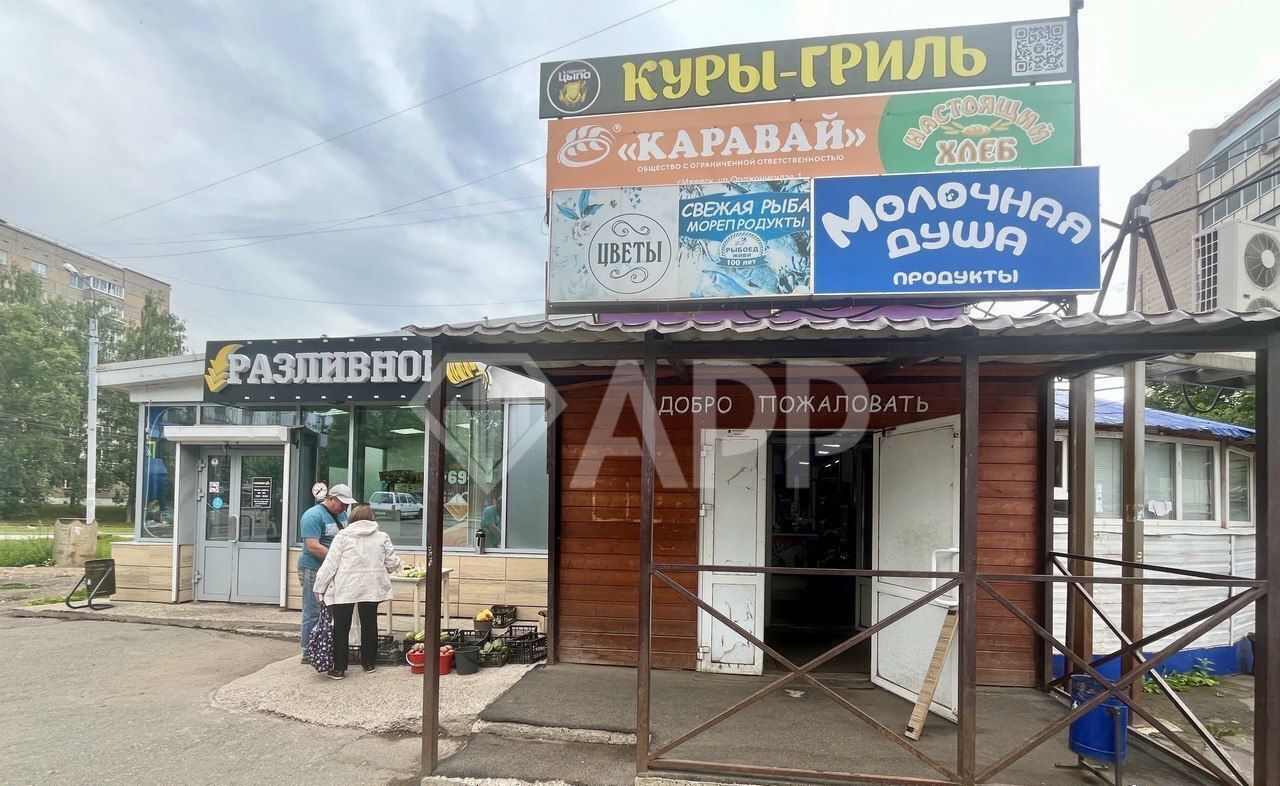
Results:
1211 258
120 290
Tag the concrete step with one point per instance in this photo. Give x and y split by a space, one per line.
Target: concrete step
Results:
528 761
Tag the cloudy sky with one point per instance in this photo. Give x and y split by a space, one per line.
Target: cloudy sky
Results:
109 107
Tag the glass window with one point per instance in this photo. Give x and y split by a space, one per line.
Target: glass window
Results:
322 452
1197 483
1238 465
473 473
1159 478
526 504
248 416
1106 477
39 268
158 465
389 453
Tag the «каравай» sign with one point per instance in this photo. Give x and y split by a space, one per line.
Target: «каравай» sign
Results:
994 54
654 244
982 233
998 127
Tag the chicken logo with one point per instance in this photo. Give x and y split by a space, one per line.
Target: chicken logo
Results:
572 87
215 378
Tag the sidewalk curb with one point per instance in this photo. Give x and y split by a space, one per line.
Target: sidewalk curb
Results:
285 632
525 731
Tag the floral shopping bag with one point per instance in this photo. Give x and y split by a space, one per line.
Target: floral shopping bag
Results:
320 645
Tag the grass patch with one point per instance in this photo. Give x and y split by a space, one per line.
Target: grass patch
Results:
39 550
1200 676
79 594
15 585
47 514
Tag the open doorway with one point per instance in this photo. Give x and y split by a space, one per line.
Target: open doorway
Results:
819 508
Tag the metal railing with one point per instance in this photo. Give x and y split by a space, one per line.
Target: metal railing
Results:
1189 629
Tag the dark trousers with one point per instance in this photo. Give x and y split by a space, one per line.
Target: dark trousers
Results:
342 633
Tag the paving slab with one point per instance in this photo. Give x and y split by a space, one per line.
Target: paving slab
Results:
799 727
488 758
386 700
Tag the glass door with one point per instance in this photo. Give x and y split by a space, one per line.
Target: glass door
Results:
215 547
259 480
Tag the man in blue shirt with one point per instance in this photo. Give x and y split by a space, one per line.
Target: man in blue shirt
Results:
318 526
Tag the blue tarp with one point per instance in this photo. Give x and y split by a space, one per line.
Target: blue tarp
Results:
1111 413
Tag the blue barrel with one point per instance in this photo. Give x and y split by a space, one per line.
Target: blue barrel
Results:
1093 734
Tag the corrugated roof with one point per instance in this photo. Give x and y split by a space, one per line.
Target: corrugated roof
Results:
1111 414
799 326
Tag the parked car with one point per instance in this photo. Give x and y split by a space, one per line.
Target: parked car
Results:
387 503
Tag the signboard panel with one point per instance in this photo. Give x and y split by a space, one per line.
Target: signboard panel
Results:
260 492
902 61
958 233
912 132
693 242
316 370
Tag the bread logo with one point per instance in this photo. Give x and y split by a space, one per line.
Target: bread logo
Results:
219 368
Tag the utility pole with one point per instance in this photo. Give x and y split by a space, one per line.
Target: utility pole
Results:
91 420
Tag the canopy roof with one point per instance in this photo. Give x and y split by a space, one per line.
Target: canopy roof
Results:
1110 414
581 339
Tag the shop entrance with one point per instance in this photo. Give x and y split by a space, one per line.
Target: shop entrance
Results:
240 525
884 500
819 515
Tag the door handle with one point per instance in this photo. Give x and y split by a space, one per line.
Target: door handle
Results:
945 599
233 523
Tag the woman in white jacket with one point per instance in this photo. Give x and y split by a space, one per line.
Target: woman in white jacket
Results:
356 575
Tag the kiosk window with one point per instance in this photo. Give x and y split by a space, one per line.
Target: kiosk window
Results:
158 464
389 453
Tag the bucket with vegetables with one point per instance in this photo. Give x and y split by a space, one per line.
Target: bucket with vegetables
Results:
484 621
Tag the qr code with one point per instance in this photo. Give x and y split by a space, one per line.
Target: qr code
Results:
1040 49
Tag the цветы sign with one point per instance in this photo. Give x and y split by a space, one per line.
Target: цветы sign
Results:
994 54
1002 127
973 233
648 244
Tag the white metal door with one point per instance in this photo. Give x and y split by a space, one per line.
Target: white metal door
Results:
917 513
732 533
215 530
241 525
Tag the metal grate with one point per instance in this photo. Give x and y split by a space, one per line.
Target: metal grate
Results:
1207 271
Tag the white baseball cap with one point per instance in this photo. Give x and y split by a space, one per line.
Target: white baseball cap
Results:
343 492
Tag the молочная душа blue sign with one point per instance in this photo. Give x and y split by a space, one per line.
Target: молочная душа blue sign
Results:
995 232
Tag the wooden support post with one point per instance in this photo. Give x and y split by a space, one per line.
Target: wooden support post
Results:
1044 542
966 734
1266 700
1082 500
1132 496
648 438
553 537
434 484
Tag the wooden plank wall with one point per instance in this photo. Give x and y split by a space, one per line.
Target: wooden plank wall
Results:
600 504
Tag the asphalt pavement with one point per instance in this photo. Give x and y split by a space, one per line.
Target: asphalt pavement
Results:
92 703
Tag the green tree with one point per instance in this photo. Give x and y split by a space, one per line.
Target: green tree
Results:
1226 406
40 408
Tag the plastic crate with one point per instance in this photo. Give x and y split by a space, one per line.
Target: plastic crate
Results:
494 658
520 631
464 637
503 616
528 651
390 652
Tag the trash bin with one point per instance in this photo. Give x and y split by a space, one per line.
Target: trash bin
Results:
1097 734
101 576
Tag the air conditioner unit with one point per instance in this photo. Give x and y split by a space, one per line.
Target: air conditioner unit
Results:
1238 267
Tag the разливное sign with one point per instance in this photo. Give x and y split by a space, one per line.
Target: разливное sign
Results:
311 370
